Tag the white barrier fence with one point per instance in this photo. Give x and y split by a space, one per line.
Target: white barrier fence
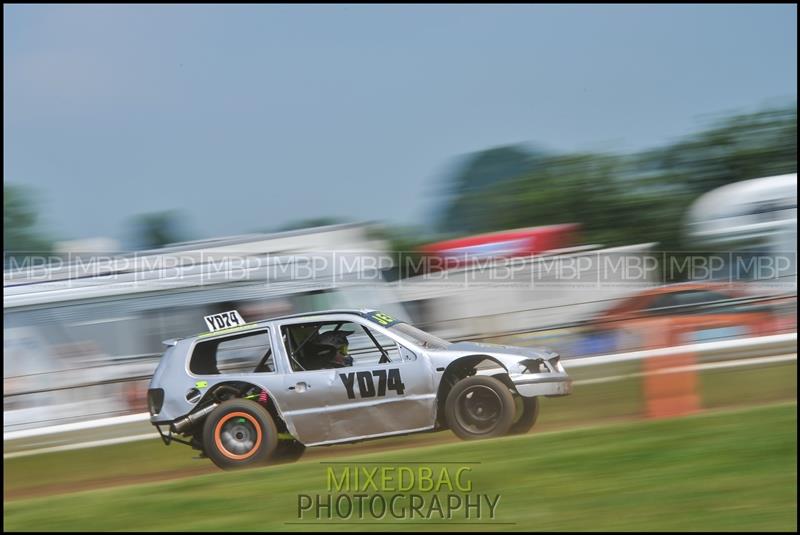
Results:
76 426
760 346
739 352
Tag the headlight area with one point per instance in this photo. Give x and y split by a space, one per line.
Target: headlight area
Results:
531 366
555 363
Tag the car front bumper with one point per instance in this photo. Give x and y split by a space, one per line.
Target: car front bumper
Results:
551 379
542 384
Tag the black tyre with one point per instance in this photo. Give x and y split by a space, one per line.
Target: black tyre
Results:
527 413
239 433
288 451
479 407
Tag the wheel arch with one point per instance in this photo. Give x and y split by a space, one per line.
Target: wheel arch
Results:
461 368
237 388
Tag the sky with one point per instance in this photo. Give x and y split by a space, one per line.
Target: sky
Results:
246 118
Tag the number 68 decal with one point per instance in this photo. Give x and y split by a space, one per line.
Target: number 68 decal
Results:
382 319
387 380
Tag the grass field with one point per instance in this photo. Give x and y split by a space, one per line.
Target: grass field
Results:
723 470
590 404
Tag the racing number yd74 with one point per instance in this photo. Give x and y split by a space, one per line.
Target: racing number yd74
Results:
366 383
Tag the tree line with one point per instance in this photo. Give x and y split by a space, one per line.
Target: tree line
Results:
617 198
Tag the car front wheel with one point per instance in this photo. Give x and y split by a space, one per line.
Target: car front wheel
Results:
479 407
527 413
239 433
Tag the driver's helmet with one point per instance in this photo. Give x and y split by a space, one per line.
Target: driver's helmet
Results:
335 346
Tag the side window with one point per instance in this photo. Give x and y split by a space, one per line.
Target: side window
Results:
374 349
297 339
685 302
699 297
336 344
247 353
662 302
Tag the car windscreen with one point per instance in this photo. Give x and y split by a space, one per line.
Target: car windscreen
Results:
420 337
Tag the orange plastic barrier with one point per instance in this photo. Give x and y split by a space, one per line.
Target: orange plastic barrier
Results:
674 393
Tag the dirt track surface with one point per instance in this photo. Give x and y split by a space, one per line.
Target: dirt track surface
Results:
99 483
205 466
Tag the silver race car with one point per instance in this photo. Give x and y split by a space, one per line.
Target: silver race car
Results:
244 393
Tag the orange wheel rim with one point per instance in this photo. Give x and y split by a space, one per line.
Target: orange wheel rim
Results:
220 443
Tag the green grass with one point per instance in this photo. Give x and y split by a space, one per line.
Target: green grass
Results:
727 470
108 462
739 386
589 404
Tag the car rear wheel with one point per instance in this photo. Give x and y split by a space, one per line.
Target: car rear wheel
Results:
239 433
527 413
479 407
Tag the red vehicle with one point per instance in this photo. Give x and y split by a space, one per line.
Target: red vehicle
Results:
685 313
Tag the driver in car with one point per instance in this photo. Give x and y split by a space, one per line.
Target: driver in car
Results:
334 346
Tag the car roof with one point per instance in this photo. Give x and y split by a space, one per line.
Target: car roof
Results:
711 286
363 312
254 324
731 290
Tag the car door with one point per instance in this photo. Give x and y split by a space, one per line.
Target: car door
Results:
304 395
372 397
384 397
